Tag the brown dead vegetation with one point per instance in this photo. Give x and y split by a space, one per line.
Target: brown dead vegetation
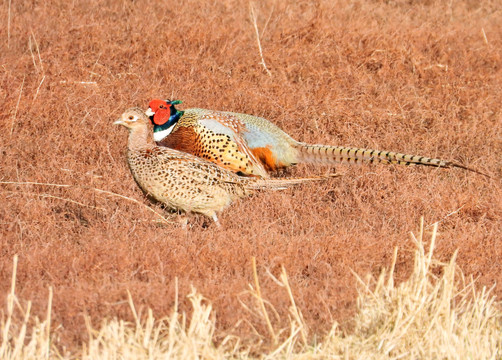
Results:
422 78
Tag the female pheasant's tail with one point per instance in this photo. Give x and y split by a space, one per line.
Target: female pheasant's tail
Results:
282 183
323 154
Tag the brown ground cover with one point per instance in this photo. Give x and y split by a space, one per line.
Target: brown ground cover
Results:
418 77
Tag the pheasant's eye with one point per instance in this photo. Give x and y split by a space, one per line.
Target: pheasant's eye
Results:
162 107
131 117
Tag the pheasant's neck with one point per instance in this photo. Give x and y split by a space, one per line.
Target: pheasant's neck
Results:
161 131
140 138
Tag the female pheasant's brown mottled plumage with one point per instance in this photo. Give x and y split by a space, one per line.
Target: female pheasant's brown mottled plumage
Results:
182 181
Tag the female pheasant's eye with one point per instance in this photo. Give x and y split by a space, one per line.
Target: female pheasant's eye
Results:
131 117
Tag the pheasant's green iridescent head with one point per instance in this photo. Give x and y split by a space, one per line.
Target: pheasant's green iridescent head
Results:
164 116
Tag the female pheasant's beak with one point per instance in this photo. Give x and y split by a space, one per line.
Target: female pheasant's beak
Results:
118 122
149 112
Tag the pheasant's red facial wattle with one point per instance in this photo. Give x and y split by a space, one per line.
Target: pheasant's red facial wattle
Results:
161 117
162 111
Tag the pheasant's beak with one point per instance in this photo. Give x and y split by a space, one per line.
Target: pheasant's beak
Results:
149 112
118 122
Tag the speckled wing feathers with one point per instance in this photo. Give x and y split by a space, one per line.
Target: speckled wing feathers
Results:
183 182
230 125
214 137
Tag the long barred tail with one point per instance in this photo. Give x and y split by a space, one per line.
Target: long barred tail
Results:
282 183
323 154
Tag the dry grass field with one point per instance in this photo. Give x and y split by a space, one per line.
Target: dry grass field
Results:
422 77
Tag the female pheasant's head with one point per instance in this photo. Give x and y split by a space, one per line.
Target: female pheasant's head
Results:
133 118
164 117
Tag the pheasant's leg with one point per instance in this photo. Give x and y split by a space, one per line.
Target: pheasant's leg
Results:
215 218
183 221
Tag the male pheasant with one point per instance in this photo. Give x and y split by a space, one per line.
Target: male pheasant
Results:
251 145
182 181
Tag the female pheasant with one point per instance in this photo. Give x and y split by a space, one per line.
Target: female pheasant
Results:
182 181
251 145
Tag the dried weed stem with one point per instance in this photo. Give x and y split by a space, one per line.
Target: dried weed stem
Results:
101 191
17 107
257 294
253 18
8 27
